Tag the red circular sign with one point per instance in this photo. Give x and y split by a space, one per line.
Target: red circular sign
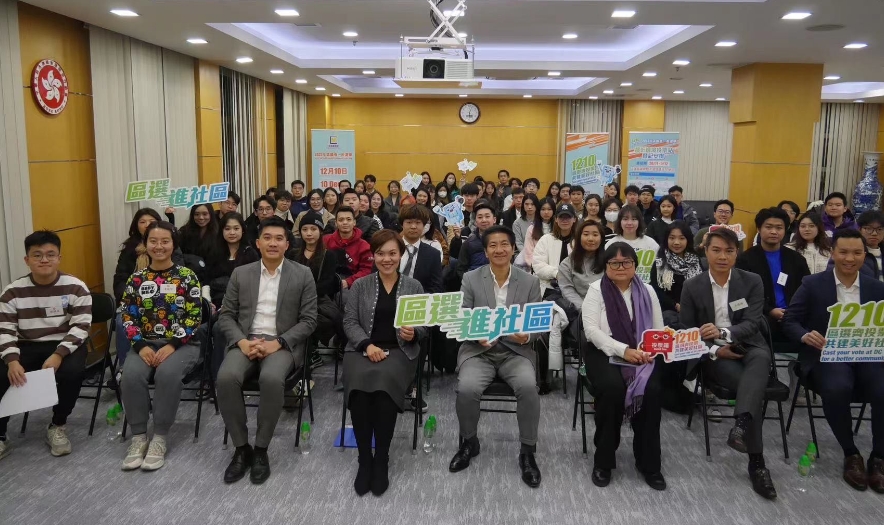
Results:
50 86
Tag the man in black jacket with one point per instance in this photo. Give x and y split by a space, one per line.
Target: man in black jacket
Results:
265 207
781 269
366 224
514 212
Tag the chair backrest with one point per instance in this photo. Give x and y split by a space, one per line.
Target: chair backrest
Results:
104 307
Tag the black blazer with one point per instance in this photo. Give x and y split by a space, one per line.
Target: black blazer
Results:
428 268
794 265
509 217
807 311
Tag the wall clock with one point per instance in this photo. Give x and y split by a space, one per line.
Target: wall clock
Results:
469 113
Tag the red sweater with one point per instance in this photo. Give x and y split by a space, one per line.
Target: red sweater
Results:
354 255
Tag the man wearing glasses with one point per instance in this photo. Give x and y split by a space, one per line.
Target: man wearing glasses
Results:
265 207
44 320
871 226
724 212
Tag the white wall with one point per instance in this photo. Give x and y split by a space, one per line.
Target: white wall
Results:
706 137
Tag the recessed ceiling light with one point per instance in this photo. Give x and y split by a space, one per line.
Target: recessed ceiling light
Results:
625 84
526 96
859 101
795 16
462 96
608 92
680 62
705 84
649 74
726 43
244 60
300 81
462 35
287 12
831 77
553 74
336 94
855 45
320 88
399 95
569 36
277 71
720 99
656 97
350 33
593 97
622 13
368 71
448 13
197 41
678 92
124 12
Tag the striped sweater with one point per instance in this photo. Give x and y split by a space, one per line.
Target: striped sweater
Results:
61 311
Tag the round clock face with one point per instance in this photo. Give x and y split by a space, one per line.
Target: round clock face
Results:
469 113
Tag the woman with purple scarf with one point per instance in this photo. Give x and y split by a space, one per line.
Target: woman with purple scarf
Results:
627 381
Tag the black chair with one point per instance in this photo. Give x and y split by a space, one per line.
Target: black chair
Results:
202 371
300 375
809 387
775 391
583 385
103 311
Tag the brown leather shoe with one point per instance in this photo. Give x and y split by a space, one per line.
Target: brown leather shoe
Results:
876 474
855 472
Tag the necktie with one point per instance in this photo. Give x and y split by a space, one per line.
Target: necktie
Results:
410 262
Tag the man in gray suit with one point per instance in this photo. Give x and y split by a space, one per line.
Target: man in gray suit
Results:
268 314
726 305
498 284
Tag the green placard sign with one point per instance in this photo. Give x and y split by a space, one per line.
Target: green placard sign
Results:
855 333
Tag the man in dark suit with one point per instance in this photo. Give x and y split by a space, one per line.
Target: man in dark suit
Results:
781 269
512 358
268 313
515 211
807 321
726 304
420 260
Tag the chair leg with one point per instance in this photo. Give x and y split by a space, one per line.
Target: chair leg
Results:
783 431
792 409
337 362
343 420
582 416
429 360
694 404
705 416
123 430
24 423
577 396
305 386
812 424
224 443
105 360
859 420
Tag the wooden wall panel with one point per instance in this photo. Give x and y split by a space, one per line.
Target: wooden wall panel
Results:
45 34
209 131
640 115
60 137
208 122
80 248
71 181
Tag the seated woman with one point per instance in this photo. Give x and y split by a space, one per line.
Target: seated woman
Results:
530 205
161 311
577 271
553 247
380 361
316 205
543 221
378 209
199 238
330 200
443 196
451 183
393 199
592 209
629 228
812 242
612 211
618 308
659 227
676 263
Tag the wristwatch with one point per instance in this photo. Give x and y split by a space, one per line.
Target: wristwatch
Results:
725 334
282 343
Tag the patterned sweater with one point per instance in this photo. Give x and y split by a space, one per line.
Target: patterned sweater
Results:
161 305
61 311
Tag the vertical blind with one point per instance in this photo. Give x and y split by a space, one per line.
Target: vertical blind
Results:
294 114
705 139
843 132
589 116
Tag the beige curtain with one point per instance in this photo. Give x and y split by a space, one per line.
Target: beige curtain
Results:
706 136
843 132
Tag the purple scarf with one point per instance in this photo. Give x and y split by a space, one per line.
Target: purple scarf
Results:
629 331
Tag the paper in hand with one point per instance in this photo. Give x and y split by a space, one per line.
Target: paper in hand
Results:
38 392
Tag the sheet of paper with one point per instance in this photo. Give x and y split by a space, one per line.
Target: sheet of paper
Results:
39 392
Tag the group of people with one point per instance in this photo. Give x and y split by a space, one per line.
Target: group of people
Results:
330 266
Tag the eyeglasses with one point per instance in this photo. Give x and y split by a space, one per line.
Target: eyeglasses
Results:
617 265
872 231
724 212
266 209
40 256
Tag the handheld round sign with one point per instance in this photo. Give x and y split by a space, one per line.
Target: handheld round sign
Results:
50 86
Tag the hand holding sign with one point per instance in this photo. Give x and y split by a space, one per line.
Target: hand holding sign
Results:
736 228
453 212
674 345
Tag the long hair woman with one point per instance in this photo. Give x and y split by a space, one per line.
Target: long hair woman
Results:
659 227
630 228
330 200
676 263
543 221
530 208
553 191
812 242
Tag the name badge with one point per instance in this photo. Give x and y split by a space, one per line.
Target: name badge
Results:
739 304
168 288
54 311
781 280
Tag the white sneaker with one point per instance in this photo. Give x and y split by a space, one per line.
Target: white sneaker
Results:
57 439
135 453
5 448
156 454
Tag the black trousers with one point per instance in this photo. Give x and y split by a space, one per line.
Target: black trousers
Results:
610 396
68 377
836 384
373 413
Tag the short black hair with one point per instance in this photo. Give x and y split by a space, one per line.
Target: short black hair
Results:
370 178
503 171
348 191
771 213
270 200
632 188
514 180
298 181
271 189
272 222
235 196
414 212
725 235
723 201
41 237
575 188
793 205
534 180
284 195
870 217
675 188
563 186
497 228
601 263
517 191
471 188
343 181
847 233
483 204
836 195
345 209
162 225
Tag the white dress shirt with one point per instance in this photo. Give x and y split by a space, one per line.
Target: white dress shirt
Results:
501 291
720 301
406 255
847 294
595 318
265 311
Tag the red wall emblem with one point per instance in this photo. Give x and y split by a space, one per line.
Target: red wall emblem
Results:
50 86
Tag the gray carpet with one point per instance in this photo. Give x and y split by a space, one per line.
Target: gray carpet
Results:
88 487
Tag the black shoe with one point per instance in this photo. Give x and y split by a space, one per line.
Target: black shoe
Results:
543 389
762 484
240 464
601 477
380 479
461 460
260 468
530 472
656 481
315 361
737 437
362 484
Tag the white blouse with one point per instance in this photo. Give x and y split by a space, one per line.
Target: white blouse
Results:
645 242
816 261
595 318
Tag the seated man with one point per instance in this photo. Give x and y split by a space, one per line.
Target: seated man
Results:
724 212
283 208
648 206
512 213
268 314
44 319
726 305
781 269
352 251
366 225
264 207
498 284
807 320
473 254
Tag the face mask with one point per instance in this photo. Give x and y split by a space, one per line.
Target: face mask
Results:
611 216
443 194
426 228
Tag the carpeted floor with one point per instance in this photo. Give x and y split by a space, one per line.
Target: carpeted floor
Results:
88 487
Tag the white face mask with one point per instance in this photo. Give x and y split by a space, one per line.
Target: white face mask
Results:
611 216
442 194
426 228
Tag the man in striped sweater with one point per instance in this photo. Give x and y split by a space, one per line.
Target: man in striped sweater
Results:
44 320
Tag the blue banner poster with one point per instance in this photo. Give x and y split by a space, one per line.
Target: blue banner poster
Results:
653 160
334 157
585 154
